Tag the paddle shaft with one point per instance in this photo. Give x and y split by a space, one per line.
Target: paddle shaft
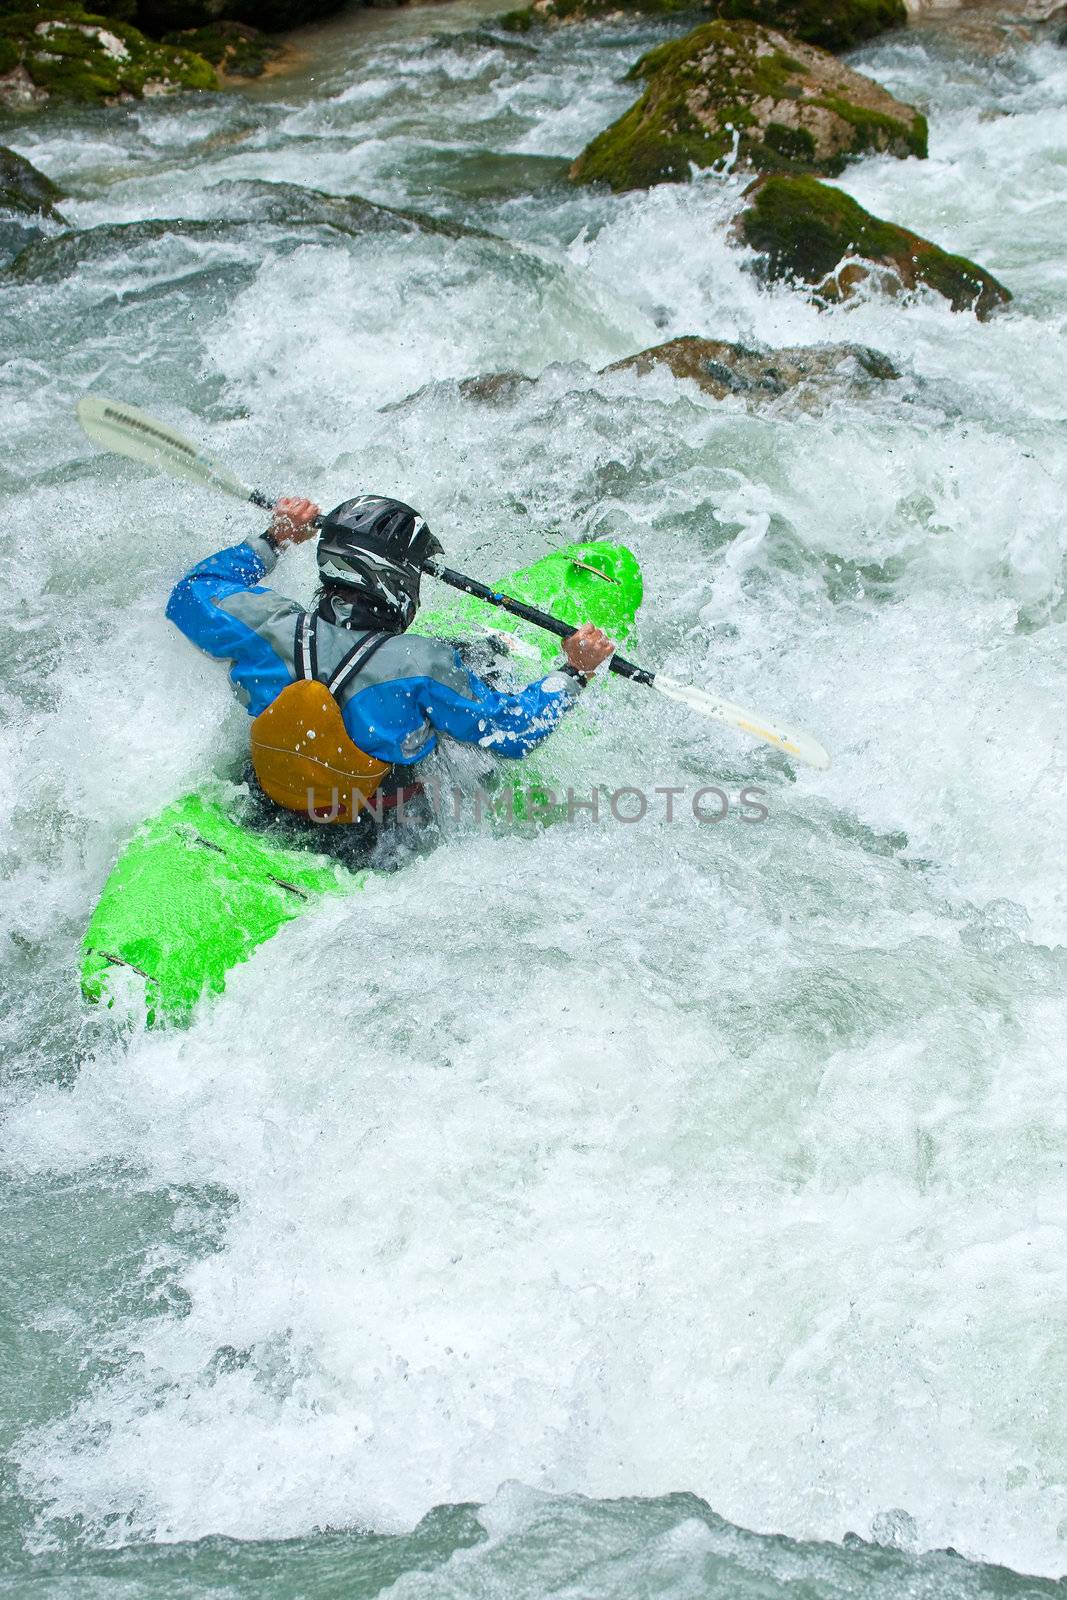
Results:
519 608
492 597
134 434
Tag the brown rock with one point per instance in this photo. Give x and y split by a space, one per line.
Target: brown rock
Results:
722 369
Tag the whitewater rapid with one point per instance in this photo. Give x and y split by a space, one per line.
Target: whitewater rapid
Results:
615 1160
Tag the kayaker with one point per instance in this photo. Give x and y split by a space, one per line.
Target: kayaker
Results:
345 703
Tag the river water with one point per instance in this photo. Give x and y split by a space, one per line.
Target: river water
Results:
667 1209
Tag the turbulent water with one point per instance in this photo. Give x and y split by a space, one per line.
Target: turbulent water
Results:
665 1209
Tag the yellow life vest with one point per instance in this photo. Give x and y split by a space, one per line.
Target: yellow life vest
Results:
301 751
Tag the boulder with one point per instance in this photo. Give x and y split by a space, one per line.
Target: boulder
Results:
27 205
23 188
747 93
722 369
833 25
810 372
233 48
61 52
807 232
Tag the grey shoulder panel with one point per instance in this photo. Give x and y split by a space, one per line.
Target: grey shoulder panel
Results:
270 615
406 656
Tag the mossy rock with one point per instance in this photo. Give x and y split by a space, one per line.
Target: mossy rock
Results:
830 24
69 54
232 47
808 232
786 107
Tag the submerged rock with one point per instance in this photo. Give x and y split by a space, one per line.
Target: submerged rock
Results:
487 389
60 52
233 48
717 366
833 25
722 369
808 232
291 204
241 208
742 91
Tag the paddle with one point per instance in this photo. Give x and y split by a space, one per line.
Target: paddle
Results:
129 432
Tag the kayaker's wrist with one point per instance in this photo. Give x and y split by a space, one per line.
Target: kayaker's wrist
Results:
571 671
264 550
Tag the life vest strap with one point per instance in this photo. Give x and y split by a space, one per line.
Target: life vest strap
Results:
355 661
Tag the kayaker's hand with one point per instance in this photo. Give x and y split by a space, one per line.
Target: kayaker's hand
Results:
587 648
293 519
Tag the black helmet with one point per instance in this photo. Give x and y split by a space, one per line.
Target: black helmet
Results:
374 548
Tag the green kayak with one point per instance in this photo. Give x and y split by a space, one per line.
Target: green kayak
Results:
195 891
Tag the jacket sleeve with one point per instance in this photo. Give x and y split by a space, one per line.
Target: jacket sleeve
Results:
507 724
191 606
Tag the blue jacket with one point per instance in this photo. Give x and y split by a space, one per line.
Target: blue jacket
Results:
411 690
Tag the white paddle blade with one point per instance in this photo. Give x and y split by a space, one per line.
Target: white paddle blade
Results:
801 746
132 433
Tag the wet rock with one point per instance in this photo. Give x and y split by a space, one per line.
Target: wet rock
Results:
487 389
717 366
23 188
723 369
810 233
494 388
993 28
27 204
745 92
233 48
242 209
833 25
64 53
291 204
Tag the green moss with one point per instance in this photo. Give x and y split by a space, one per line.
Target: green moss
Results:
804 230
518 21
72 62
796 144
735 55
232 47
10 55
875 130
646 147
